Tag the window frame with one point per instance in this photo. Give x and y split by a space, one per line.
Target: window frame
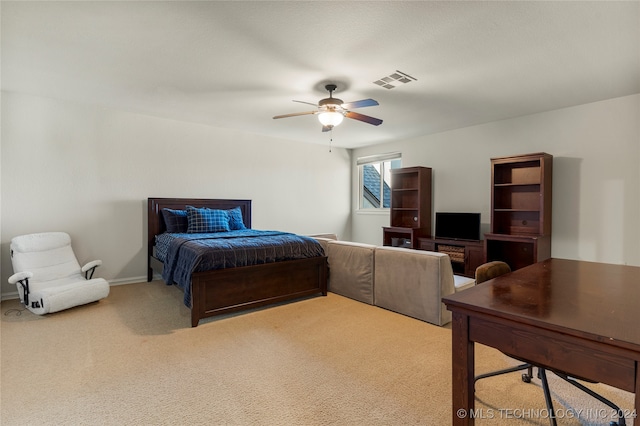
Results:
379 159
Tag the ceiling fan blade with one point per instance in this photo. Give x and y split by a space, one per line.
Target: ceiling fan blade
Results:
360 104
294 114
303 102
365 118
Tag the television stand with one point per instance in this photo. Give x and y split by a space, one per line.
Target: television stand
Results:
465 255
397 236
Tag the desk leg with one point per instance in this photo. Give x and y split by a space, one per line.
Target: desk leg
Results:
462 355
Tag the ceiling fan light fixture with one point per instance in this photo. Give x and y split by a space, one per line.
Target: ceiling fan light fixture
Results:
330 118
331 111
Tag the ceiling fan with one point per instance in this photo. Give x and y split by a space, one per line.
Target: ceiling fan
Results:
331 111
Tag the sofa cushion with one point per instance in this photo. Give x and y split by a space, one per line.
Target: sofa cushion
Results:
462 283
351 268
413 282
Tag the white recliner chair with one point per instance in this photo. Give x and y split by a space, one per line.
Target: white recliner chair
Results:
48 275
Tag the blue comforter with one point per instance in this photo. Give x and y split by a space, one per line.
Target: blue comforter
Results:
189 253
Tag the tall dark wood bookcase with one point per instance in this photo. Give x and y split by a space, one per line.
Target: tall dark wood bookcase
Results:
410 207
520 210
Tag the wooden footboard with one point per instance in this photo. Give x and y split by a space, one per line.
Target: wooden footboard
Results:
229 290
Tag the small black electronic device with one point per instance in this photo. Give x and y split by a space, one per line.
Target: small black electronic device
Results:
458 226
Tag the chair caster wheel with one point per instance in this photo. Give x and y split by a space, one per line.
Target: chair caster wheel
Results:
526 378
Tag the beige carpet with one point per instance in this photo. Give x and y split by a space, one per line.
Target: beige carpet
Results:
134 359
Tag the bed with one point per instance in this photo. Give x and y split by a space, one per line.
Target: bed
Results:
220 291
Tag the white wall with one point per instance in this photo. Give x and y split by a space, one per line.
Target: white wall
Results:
596 175
88 171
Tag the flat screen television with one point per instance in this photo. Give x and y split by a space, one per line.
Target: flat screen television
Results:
458 226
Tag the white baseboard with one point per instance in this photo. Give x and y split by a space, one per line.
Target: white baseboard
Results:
120 281
10 296
131 280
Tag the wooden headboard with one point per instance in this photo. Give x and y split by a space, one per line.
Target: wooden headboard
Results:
155 219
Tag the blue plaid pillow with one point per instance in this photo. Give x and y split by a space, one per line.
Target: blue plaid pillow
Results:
206 220
175 220
235 219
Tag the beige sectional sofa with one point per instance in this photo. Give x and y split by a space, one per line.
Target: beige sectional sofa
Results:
413 282
407 281
351 269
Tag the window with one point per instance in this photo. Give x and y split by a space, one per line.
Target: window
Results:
375 178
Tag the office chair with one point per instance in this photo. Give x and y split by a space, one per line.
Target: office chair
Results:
48 275
486 272
494 269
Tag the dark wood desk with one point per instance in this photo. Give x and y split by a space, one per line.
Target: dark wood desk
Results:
574 316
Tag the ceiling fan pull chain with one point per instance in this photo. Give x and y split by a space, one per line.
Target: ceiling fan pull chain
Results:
330 139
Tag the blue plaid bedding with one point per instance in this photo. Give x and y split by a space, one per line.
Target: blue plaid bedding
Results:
189 253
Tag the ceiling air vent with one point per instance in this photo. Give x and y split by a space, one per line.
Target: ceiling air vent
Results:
395 79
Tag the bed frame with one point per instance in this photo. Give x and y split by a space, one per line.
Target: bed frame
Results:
235 289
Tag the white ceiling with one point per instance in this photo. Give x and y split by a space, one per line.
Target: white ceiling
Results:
236 64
